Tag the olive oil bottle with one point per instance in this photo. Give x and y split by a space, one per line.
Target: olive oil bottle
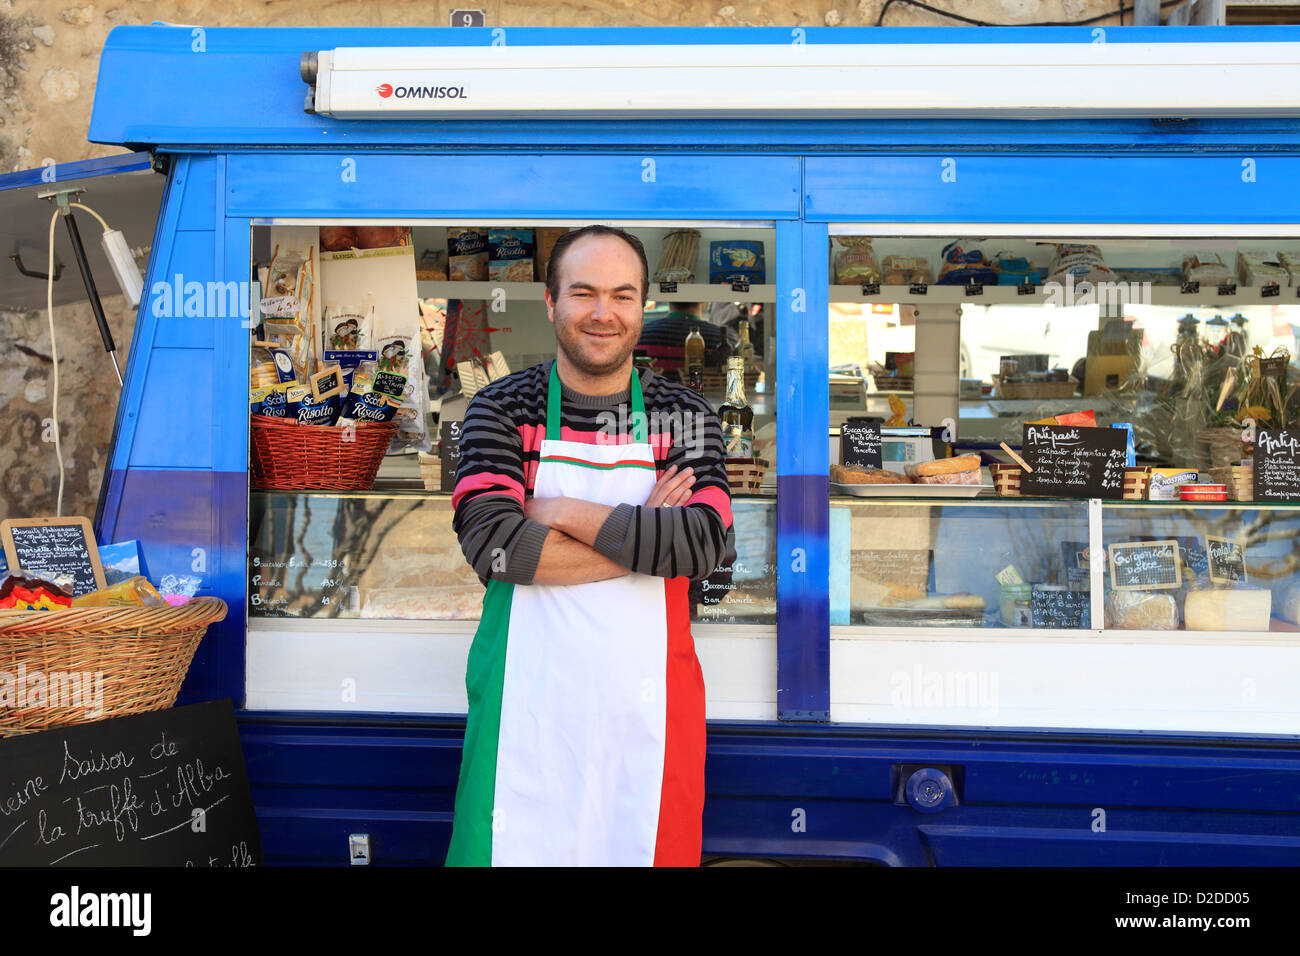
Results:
695 360
736 415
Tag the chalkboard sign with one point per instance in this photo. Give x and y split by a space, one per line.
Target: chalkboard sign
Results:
1060 607
162 789
1272 368
1145 565
860 444
1072 461
1227 559
390 383
52 546
450 435
1277 468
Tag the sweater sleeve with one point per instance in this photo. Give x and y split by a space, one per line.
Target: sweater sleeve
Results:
687 541
498 541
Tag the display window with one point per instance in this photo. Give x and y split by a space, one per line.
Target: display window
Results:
1070 434
400 325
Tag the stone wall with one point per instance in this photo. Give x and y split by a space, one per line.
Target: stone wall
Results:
49 60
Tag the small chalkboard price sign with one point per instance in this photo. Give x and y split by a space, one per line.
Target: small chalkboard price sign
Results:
450 441
1069 461
1145 565
167 788
1277 465
1056 606
860 444
1227 559
53 546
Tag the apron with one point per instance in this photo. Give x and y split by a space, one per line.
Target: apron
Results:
585 739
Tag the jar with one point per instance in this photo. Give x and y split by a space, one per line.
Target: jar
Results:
1015 604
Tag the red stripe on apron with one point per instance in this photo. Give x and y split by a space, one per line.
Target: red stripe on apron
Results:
681 802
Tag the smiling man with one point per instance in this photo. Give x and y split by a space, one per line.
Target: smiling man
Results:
586 499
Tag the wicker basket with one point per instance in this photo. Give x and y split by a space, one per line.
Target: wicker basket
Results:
1006 479
1137 481
745 475
141 653
289 456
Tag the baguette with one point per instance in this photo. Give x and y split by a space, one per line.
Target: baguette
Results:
945 466
848 475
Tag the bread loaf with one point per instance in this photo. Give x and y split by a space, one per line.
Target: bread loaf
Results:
853 475
945 466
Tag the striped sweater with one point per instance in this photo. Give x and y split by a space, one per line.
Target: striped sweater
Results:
501 441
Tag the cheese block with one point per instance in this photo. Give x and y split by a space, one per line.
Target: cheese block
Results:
1142 611
1228 609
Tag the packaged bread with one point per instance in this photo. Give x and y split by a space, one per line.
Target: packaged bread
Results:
1255 269
856 475
960 464
1234 608
1290 261
1206 268
1141 611
952 478
906 270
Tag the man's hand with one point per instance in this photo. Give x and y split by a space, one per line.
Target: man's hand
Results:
672 489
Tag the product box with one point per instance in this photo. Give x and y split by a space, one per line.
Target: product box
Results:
737 258
1166 481
510 255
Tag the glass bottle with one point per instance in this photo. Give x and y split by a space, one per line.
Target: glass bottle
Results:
695 360
736 415
744 348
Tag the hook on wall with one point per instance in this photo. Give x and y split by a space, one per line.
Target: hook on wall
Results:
17 261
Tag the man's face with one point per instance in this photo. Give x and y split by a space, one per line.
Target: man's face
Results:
599 311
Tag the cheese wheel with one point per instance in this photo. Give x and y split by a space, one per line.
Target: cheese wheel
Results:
1228 609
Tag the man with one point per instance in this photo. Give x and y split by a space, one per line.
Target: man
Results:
587 499
664 339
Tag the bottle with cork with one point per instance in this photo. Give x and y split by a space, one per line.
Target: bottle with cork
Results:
736 415
695 360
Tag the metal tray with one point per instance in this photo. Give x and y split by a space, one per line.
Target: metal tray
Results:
909 490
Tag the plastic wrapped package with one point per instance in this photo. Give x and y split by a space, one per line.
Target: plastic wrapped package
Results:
855 263
677 260
906 270
1079 262
965 263
1255 269
1206 268
1141 611
133 592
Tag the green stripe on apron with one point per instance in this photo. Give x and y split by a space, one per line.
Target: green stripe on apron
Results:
471 838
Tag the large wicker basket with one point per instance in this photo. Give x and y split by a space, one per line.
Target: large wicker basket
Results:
285 455
141 655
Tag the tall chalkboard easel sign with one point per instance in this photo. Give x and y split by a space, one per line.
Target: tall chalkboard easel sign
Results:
51 546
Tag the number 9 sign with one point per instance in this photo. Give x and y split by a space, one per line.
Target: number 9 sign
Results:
468 18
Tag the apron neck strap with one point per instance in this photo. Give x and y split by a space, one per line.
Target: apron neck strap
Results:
639 425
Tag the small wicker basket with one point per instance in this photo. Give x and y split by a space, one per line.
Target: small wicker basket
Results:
1006 479
285 455
141 655
745 475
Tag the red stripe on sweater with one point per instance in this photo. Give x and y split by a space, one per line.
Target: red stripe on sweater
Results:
680 837
715 498
487 479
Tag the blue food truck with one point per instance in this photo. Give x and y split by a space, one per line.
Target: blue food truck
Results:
946 234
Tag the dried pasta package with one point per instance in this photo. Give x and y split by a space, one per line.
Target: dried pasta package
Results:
133 592
397 340
286 299
269 365
855 262
677 260
347 327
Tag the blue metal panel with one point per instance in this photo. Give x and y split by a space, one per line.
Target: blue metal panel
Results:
250 91
175 412
802 485
1244 188
641 185
82 169
197 201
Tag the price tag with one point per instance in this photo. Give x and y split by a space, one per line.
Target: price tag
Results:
917 288
450 441
1270 291
1272 367
1026 288
1190 288
54 546
860 444
739 284
871 288
1227 559
1145 566
974 288
1228 288
1277 465
389 383
667 287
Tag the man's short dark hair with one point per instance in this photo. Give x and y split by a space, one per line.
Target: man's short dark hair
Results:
563 243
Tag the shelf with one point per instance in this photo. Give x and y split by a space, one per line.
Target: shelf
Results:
533 291
1011 295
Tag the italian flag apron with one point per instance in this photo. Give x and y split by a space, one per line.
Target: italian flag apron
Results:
585 738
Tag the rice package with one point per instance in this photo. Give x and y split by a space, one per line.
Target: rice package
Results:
511 253
467 253
737 259
367 403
